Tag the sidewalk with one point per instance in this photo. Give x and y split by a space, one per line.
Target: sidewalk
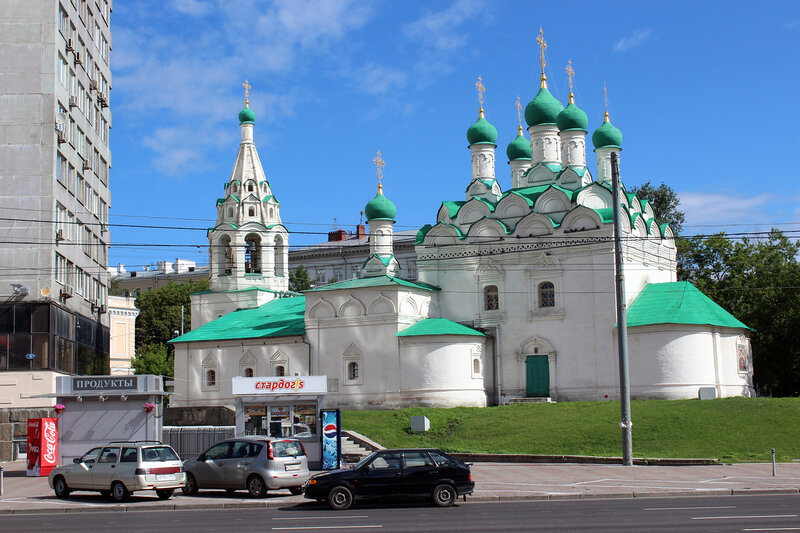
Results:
493 482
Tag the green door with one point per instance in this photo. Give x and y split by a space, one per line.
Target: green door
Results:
537 372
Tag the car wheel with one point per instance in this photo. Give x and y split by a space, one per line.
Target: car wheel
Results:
444 495
296 490
340 498
256 487
119 492
164 494
60 487
190 486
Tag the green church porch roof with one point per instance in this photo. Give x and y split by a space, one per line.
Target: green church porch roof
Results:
283 317
678 302
438 326
453 207
377 281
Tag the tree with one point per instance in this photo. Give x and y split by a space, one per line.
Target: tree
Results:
299 279
759 283
160 311
153 359
665 204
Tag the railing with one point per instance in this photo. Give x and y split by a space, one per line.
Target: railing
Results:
191 441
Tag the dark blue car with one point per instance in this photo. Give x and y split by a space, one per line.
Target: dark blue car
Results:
414 473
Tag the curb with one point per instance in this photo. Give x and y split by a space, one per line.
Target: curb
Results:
579 459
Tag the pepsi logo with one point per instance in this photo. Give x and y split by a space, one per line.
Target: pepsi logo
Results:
330 431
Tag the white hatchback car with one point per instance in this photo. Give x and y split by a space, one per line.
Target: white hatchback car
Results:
121 468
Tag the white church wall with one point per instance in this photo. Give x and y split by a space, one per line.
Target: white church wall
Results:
212 305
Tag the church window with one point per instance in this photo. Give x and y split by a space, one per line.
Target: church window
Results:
251 212
249 187
476 366
224 248
230 212
270 212
252 254
211 378
235 187
279 253
547 294
280 370
248 372
491 298
352 371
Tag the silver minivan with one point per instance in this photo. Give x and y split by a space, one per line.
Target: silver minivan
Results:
254 464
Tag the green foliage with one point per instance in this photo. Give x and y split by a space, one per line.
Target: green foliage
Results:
759 283
160 311
299 280
665 204
153 359
729 429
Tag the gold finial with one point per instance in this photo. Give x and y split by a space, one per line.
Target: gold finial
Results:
542 62
247 88
605 98
571 74
379 164
519 116
481 89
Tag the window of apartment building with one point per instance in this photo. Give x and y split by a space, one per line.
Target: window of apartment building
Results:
103 211
80 192
79 280
81 51
87 106
61 269
97 35
72 227
84 10
103 128
73 83
62 169
63 21
71 180
104 48
71 135
62 219
81 96
87 241
63 71
71 34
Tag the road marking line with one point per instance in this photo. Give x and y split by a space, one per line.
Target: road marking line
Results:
303 528
321 517
744 516
685 508
774 529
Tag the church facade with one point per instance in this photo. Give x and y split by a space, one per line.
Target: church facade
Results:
515 297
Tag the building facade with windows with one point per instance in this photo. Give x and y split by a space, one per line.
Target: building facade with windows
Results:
515 297
55 83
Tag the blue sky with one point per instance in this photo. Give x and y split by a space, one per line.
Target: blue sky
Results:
703 92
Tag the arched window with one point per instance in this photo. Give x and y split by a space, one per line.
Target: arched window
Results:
352 371
547 294
226 265
211 378
491 298
476 366
280 370
270 212
250 187
248 372
279 253
252 254
235 187
251 212
230 212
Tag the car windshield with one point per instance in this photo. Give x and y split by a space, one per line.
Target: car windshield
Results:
365 460
287 448
159 453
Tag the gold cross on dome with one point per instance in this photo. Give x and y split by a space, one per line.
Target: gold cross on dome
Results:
571 74
247 88
481 89
542 47
379 164
519 114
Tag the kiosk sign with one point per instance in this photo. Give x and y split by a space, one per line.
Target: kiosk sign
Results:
274 385
104 383
42 446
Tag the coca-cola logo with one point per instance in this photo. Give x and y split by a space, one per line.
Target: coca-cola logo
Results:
50 440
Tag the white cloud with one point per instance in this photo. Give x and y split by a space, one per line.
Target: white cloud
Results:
638 38
703 208
792 24
195 8
380 79
438 28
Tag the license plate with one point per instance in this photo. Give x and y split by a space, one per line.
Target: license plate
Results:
164 477
292 467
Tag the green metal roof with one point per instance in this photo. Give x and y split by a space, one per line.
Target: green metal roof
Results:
678 302
421 233
438 326
385 259
606 214
453 207
376 281
279 318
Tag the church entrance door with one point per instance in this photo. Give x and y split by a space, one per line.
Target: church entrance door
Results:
537 373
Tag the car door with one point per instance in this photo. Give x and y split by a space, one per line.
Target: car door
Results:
420 473
105 468
382 477
209 467
79 475
236 468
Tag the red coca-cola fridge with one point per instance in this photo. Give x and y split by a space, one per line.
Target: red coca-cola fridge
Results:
42 446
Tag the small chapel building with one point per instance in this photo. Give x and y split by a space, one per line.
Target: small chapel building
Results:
515 298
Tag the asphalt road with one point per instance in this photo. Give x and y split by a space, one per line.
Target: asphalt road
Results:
706 514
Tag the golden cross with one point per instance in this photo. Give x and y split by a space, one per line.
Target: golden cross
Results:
519 113
379 164
481 90
247 88
542 46
605 99
571 74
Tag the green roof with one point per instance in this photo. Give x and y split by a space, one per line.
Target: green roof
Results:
482 132
438 326
572 118
421 233
247 116
376 281
607 136
606 214
678 302
385 259
543 109
519 148
380 208
279 318
453 207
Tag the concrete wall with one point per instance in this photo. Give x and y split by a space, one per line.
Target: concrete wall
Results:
14 429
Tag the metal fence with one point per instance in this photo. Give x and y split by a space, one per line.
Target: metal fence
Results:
191 441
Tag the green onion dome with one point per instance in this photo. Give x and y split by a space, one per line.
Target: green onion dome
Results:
247 116
543 109
607 136
572 118
380 207
519 148
482 132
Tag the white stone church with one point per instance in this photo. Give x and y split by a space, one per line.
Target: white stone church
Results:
515 297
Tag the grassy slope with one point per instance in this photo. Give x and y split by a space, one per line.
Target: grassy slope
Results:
731 429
